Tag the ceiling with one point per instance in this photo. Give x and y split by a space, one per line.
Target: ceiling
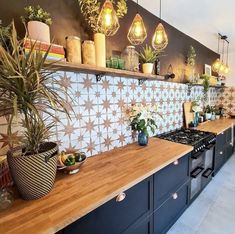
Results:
200 19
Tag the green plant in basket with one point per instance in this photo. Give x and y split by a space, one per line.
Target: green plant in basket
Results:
30 93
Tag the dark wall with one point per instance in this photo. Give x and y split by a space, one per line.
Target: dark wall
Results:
67 20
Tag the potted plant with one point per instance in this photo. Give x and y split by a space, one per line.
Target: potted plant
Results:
143 119
91 11
29 95
38 22
217 112
213 113
208 112
148 57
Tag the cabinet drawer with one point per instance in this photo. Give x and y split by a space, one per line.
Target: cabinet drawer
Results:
116 216
169 179
170 211
145 226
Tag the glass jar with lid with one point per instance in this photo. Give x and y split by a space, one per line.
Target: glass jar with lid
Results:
73 47
88 52
131 58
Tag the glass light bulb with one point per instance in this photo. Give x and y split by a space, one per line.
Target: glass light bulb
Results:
222 68
108 21
137 32
216 65
226 69
160 39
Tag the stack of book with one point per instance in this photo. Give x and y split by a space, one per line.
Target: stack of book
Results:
56 52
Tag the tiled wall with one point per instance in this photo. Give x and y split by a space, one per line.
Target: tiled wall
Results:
99 123
227 100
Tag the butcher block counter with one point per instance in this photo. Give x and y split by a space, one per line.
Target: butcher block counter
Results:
217 126
101 178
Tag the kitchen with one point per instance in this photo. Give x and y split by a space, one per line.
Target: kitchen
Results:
130 181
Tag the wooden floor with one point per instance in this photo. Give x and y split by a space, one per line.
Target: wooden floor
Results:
214 210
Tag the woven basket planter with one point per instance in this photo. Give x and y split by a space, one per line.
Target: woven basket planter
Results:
34 175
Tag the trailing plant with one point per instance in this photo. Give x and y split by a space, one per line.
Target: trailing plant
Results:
5 32
36 14
148 55
191 57
143 118
90 10
28 92
206 85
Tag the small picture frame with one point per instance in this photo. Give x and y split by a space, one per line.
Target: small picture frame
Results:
207 69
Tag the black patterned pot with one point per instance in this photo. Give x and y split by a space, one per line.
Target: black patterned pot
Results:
34 175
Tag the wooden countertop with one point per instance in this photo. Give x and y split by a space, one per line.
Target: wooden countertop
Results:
217 126
101 178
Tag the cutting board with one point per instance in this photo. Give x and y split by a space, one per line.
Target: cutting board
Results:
188 114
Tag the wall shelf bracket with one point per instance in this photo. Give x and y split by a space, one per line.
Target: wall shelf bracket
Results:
141 81
99 76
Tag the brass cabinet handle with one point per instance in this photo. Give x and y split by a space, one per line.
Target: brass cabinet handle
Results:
231 143
176 162
221 152
222 133
120 197
174 196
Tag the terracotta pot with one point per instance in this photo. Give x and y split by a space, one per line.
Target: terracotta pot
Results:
34 175
39 31
148 68
100 49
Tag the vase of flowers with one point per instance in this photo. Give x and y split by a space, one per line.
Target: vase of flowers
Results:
38 22
143 120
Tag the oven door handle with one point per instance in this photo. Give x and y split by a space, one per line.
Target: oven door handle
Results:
210 146
196 172
207 173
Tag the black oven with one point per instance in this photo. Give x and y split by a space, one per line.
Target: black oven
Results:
201 170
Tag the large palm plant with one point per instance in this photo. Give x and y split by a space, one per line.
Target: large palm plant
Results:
28 91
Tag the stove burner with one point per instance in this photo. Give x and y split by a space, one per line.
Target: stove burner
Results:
198 139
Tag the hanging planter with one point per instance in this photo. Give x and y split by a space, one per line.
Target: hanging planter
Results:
38 22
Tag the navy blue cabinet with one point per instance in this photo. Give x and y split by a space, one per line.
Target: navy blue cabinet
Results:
169 179
150 207
167 214
117 216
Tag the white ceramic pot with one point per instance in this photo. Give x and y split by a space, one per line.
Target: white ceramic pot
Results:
208 116
39 31
148 68
217 117
213 117
100 49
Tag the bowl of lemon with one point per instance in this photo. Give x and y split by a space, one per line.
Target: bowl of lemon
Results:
71 162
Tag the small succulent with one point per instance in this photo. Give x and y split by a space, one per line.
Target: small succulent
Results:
36 14
148 55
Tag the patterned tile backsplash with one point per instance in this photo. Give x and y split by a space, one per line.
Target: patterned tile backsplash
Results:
227 100
98 122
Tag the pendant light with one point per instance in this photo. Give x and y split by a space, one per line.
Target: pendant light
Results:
217 63
160 39
222 65
108 20
226 70
137 32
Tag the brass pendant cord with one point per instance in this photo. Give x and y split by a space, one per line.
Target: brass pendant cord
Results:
227 53
160 13
137 6
219 43
223 52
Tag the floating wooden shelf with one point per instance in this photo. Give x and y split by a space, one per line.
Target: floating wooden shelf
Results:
211 86
101 71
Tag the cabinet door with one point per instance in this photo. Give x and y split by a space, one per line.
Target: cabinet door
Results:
220 141
170 211
220 159
116 216
169 179
145 226
229 135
